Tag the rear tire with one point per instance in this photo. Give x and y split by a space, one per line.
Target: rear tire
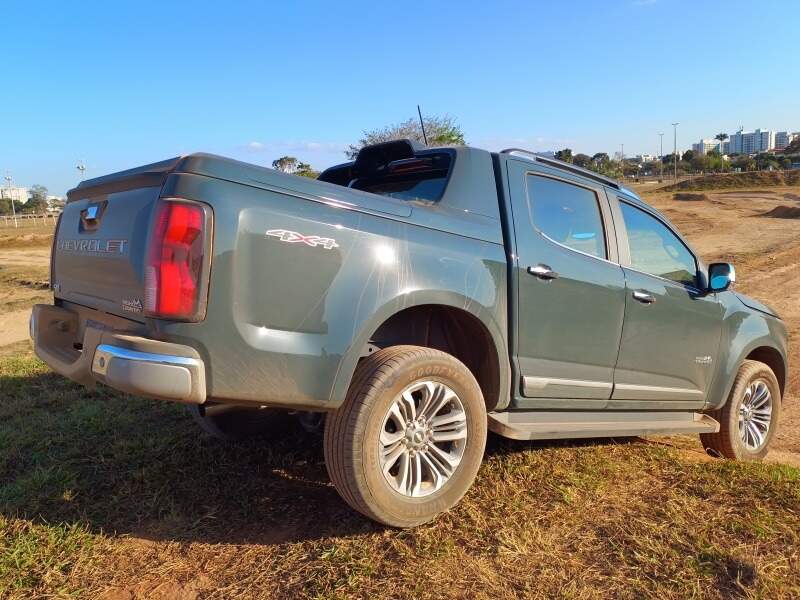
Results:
407 443
750 417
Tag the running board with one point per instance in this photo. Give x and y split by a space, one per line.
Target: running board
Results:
549 425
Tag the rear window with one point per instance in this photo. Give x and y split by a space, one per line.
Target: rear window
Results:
419 178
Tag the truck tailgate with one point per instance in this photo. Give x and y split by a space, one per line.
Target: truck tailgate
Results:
100 250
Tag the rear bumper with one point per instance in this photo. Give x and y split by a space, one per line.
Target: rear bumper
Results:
125 362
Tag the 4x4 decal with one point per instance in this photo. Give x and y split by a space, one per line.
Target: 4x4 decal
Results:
311 240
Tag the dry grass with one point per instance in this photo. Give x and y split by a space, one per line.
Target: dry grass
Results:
749 180
108 495
27 236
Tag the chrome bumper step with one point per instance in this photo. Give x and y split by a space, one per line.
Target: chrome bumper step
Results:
548 425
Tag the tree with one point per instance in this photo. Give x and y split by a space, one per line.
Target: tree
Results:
305 170
289 164
688 155
600 157
565 155
700 163
582 160
441 131
38 192
721 137
793 147
5 206
36 205
743 162
286 164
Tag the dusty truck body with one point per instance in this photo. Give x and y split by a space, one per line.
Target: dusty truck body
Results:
416 297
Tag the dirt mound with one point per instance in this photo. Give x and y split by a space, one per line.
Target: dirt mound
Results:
736 181
25 240
784 212
789 196
685 196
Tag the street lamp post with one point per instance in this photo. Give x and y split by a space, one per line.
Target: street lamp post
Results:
675 142
82 168
661 155
10 199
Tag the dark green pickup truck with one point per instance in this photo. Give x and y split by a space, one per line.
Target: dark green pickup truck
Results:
415 297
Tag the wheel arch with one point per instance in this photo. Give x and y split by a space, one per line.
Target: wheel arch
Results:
773 359
451 323
761 350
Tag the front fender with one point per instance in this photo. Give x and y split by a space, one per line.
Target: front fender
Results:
744 330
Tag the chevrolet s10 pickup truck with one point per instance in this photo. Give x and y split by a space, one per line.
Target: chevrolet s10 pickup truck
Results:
414 298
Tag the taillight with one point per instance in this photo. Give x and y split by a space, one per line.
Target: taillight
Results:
176 271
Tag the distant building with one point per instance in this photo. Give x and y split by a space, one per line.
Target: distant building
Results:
18 194
646 158
784 138
706 146
751 142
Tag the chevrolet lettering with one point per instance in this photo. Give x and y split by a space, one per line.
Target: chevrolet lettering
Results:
92 245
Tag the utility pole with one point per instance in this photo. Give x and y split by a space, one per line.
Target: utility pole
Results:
675 142
82 168
13 209
661 155
622 161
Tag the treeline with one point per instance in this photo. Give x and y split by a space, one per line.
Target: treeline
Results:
36 204
689 162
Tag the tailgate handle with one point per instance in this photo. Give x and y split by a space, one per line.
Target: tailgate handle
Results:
90 216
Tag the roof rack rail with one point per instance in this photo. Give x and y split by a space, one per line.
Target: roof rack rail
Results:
564 166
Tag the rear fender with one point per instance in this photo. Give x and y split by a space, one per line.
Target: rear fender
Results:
360 342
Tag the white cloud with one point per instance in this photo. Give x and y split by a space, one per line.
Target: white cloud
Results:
294 146
534 144
644 2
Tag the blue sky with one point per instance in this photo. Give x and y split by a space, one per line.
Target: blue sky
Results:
118 84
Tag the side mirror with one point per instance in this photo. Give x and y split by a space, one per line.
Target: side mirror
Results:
720 277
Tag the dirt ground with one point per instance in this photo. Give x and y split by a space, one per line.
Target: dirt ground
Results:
722 226
23 275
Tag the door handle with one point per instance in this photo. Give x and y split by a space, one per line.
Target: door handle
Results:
543 272
644 297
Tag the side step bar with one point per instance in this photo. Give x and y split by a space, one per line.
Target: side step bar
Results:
549 425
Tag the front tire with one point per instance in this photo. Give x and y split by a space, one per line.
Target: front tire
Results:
407 443
749 419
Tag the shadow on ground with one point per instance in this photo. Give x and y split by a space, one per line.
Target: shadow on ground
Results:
126 465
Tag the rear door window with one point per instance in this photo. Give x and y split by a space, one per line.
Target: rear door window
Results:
567 214
656 250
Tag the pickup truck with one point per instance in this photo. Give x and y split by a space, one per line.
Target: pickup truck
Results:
414 298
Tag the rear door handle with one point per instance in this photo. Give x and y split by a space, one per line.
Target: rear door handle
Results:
644 297
543 272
